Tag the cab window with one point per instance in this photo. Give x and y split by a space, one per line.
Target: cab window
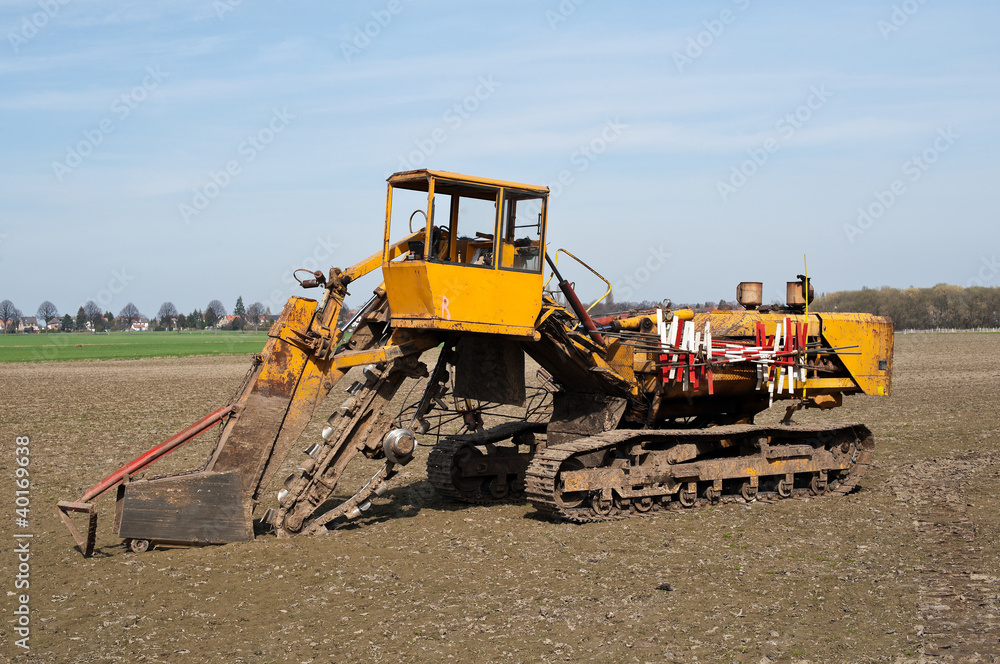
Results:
464 219
521 240
475 226
408 215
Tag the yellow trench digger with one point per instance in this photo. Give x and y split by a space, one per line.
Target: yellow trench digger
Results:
641 411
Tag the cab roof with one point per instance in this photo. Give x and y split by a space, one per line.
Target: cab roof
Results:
418 180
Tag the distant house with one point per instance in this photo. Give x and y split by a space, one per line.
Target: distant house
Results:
28 324
226 322
141 324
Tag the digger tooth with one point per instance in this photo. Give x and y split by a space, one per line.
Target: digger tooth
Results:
341 420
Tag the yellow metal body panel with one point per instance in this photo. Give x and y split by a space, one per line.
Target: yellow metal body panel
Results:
452 296
744 323
825 384
296 318
871 366
278 403
866 342
348 359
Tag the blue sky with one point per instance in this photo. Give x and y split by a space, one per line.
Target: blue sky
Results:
697 144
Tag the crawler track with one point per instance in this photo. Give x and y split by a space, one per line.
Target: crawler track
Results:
450 465
849 446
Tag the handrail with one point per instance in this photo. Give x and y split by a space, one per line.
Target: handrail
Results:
595 272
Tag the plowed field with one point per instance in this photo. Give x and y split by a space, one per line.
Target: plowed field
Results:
906 569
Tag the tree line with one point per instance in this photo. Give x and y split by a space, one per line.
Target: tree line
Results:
91 317
942 306
244 317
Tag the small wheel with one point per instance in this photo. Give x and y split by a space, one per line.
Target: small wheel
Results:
600 507
686 498
711 495
643 504
817 486
498 487
138 545
784 488
748 492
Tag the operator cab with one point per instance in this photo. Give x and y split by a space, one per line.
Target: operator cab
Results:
463 253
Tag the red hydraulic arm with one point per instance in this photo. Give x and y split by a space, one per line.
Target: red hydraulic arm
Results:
575 304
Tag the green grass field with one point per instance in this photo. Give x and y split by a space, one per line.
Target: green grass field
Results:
61 347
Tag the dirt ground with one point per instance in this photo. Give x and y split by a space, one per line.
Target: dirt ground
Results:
903 570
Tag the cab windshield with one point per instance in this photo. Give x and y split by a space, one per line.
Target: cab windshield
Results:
462 221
